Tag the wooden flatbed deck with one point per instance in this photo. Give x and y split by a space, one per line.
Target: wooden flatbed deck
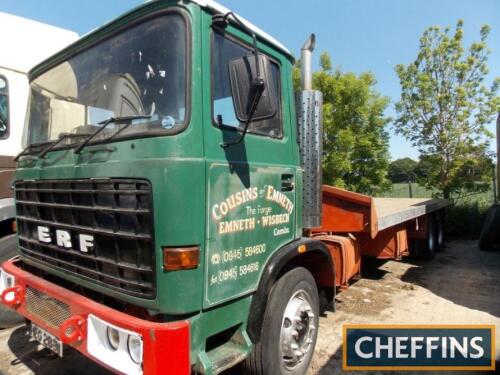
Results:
393 211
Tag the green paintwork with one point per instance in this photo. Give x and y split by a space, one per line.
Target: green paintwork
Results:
190 173
240 242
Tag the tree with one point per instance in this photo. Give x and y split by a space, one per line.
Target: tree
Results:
403 170
355 145
445 107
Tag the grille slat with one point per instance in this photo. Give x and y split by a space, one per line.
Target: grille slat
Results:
82 191
70 265
83 256
88 208
83 229
116 212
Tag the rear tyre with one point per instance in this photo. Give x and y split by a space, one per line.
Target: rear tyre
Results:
8 249
289 329
439 231
426 248
489 236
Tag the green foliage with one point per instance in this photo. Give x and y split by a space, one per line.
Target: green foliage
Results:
445 107
464 219
473 174
402 190
355 138
403 170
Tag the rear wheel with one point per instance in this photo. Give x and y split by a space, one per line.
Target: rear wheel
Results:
289 329
439 231
426 248
8 249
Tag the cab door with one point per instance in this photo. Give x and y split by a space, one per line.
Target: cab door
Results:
251 190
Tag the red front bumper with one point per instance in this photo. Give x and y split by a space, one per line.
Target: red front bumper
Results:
166 345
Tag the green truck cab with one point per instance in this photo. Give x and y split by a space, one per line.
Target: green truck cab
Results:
152 227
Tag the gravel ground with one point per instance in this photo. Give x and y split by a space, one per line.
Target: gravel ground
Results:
460 286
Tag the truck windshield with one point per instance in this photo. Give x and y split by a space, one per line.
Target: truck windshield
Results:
138 72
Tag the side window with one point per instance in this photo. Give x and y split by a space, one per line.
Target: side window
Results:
4 108
223 51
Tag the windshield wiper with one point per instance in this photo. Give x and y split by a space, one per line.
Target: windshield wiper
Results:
117 120
29 147
62 137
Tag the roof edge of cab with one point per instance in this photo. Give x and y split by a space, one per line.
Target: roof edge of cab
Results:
218 8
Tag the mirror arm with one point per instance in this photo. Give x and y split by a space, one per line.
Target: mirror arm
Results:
256 54
258 83
255 103
225 21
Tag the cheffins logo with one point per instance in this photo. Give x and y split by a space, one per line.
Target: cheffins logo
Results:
425 347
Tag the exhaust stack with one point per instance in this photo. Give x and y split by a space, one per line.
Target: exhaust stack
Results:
309 104
306 62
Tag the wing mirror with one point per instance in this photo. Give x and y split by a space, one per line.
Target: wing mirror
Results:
251 81
251 86
252 90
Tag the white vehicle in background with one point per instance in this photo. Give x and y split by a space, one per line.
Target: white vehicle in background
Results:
24 43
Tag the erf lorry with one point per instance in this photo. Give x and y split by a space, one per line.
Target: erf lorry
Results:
24 44
170 212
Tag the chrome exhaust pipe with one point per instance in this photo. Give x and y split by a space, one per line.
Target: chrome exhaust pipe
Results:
306 62
310 131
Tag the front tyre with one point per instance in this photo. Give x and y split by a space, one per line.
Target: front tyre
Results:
289 329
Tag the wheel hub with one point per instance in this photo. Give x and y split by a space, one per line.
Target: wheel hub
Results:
297 330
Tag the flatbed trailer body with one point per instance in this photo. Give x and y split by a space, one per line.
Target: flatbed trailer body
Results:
355 225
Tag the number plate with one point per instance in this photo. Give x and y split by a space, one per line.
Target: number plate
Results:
46 339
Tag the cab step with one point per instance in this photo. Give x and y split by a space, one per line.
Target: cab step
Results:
224 356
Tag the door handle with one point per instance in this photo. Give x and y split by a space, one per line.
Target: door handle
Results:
287 183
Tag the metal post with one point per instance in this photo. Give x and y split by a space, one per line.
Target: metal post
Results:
498 156
410 188
495 192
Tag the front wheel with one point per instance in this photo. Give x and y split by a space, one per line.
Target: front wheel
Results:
289 329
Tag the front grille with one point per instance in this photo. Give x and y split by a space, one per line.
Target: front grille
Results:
48 309
116 212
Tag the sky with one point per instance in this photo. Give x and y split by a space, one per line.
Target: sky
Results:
359 35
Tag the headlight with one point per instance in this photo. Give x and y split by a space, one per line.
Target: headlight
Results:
117 347
113 337
135 348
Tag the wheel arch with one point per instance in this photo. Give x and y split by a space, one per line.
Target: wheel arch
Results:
305 252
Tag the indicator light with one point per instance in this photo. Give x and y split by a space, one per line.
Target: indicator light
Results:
181 258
